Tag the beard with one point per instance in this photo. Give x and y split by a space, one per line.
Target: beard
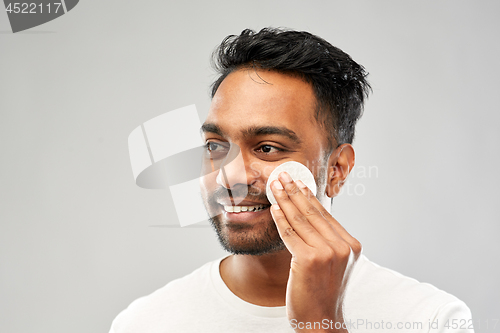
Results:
258 237
240 239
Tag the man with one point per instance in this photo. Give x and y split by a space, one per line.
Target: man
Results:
287 96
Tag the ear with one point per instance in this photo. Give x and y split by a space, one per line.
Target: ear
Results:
340 164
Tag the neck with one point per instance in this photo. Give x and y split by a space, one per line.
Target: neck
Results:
259 280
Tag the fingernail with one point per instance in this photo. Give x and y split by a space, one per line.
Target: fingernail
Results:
277 185
286 177
275 207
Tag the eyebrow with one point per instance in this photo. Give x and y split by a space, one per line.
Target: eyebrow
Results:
255 131
211 128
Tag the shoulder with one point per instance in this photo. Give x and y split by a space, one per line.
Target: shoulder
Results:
379 292
387 284
178 296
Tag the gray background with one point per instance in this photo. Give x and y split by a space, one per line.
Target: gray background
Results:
76 242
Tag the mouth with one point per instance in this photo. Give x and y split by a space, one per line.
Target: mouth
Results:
244 213
242 209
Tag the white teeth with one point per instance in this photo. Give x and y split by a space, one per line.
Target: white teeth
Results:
237 209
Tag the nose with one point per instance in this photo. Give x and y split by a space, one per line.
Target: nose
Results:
233 172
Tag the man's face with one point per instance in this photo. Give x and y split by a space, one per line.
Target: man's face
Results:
266 119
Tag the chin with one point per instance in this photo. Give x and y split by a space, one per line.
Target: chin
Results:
249 239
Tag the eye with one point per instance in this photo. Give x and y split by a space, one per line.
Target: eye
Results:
212 146
268 149
216 149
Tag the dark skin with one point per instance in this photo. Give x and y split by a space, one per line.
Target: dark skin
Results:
310 273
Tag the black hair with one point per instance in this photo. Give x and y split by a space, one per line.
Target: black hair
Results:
338 82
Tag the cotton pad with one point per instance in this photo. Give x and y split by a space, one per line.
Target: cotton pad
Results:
297 171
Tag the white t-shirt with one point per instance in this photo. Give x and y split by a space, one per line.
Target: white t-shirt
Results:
377 300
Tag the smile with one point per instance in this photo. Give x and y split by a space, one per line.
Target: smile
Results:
238 209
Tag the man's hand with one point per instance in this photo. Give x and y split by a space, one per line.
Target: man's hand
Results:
323 254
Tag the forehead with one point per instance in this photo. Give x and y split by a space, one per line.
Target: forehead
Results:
249 98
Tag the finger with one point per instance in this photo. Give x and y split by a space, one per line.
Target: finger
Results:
292 240
297 220
303 203
353 242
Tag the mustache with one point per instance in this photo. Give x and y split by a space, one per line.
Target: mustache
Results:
241 193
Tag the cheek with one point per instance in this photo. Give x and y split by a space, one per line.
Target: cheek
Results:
256 169
318 168
261 171
268 169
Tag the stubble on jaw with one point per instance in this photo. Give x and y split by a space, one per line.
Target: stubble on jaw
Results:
256 238
239 239
259 238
